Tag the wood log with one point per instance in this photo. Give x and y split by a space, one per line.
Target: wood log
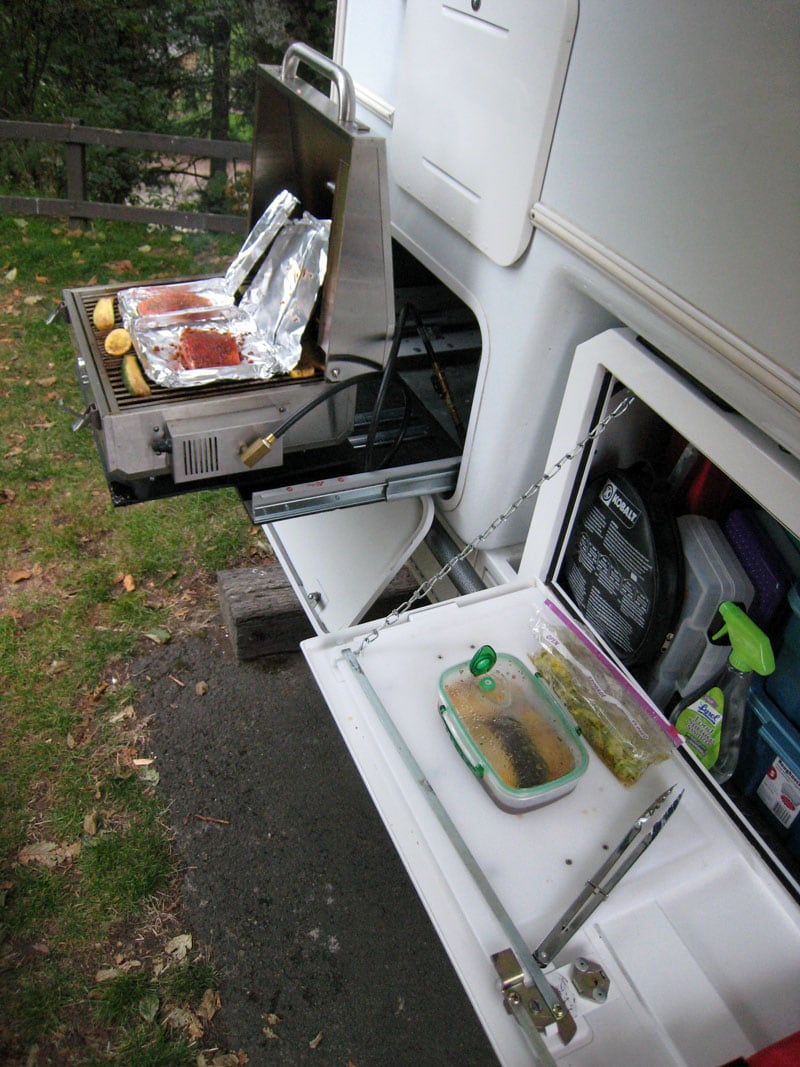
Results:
263 616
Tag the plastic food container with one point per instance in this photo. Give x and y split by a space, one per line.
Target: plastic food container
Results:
713 574
512 734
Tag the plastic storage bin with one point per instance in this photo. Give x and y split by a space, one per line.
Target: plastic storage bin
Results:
510 731
784 685
763 565
769 765
713 574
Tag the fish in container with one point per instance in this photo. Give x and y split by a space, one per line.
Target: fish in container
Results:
510 730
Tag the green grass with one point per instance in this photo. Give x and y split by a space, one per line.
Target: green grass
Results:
67 627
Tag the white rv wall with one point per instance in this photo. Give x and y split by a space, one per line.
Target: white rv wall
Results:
675 157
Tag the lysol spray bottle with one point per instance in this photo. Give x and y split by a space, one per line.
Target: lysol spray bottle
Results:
712 719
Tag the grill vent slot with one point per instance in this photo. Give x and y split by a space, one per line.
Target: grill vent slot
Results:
200 456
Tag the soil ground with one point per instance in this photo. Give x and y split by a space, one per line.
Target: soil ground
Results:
325 954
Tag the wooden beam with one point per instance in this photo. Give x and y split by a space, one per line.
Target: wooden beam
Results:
90 209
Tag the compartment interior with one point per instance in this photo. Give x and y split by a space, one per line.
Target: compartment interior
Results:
696 486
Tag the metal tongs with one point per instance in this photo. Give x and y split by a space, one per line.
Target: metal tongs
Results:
640 836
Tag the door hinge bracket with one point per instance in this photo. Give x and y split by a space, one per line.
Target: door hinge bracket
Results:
522 1001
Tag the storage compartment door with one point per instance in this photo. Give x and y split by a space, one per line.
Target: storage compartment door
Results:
477 98
699 940
339 562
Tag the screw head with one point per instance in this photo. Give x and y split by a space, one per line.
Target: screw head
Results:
476 4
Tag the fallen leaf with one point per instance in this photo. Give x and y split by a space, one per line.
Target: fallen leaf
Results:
129 583
126 713
11 275
19 576
120 266
90 823
315 1041
149 775
6 496
143 762
30 300
209 1005
195 1027
41 948
47 381
179 946
201 688
178 1018
42 279
159 635
148 1007
48 853
105 974
143 248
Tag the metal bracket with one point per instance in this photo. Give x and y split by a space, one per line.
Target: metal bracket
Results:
590 980
525 1003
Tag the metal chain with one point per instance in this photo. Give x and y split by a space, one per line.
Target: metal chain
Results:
426 586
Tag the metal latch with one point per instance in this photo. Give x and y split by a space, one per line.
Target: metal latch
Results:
590 980
525 1002
58 314
89 417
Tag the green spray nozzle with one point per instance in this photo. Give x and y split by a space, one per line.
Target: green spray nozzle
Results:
750 647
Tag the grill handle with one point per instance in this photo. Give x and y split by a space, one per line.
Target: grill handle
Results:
299 52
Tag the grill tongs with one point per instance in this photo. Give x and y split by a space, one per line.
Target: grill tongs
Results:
638 838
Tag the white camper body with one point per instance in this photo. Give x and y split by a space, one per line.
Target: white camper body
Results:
612 189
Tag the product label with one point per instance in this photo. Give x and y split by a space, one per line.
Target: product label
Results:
780 792
614 498
701 725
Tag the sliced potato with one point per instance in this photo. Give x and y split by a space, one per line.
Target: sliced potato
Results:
118 342
103 315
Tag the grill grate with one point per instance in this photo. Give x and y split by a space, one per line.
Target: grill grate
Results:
112 366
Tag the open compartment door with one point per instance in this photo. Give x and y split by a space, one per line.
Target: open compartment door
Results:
699 941
339 562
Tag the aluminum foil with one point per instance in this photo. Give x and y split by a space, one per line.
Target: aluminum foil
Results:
282 295
158 345
145 300
269 322
218 292
258 240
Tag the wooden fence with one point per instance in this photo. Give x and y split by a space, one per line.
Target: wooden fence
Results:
75 137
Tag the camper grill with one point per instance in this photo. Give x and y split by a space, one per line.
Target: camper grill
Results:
176 439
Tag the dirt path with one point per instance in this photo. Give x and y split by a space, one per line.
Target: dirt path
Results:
326 954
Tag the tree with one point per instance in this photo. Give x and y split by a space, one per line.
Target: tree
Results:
183 67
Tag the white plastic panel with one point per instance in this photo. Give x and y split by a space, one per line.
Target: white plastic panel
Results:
340 561
677 148
477 96
727 925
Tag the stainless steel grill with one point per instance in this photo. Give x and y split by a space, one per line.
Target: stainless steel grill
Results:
340 422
